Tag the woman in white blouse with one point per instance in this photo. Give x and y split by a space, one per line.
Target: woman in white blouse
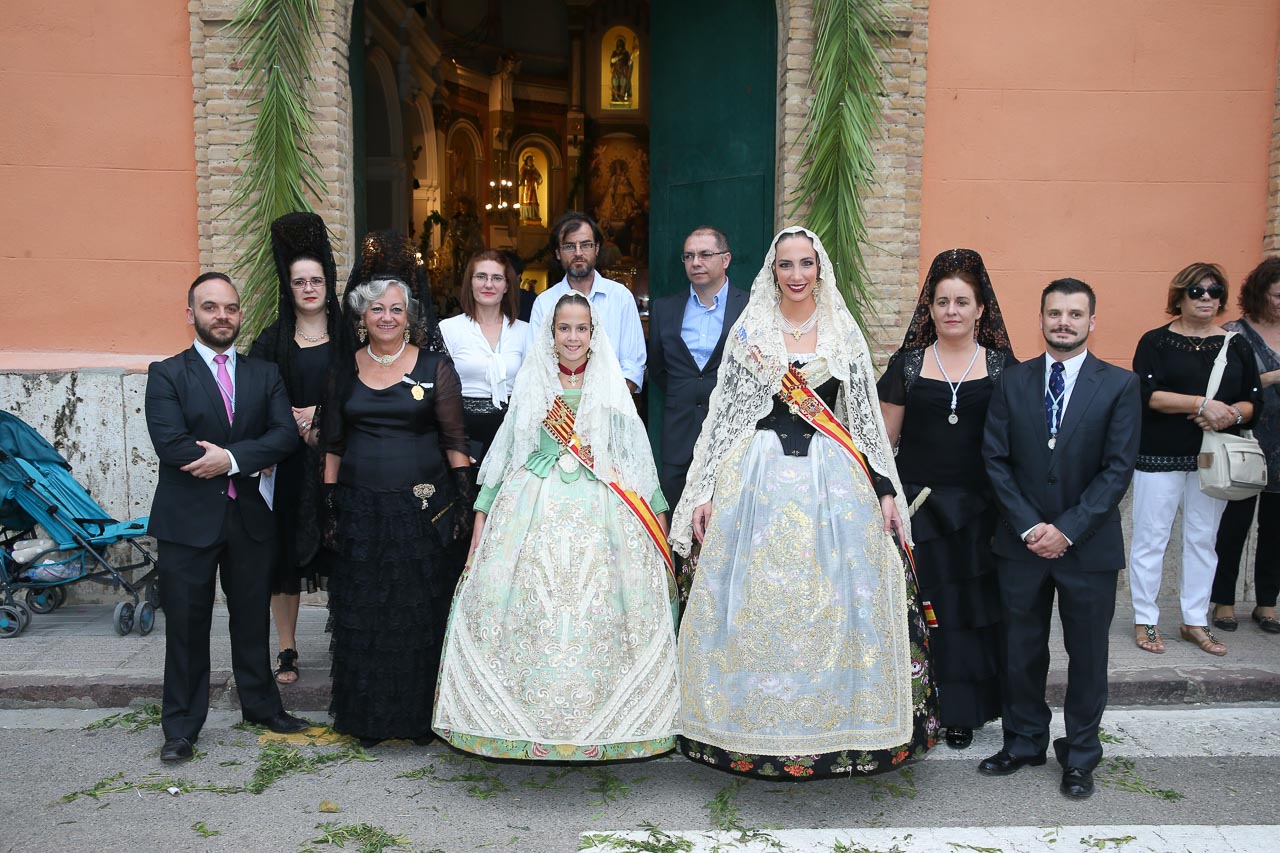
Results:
487 344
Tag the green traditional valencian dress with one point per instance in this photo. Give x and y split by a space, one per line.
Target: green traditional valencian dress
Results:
561 641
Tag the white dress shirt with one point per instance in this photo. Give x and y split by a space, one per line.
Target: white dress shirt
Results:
617 308
207 354
1070 372
486 372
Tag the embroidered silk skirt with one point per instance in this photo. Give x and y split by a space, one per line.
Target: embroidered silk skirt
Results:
803 652
561 643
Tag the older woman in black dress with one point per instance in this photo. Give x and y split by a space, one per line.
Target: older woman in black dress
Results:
299 342
934 396
397 454
1173 363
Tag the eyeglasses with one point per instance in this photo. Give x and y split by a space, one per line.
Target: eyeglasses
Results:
301 283
688 257
482 277
1214 291
571 248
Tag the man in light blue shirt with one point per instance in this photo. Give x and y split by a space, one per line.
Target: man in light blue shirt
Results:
577 241
687 331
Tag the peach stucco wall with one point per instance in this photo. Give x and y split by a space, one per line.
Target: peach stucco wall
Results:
1112 141
97 164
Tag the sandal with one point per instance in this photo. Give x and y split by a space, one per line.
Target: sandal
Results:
1148 639
1203 637
288 659
1267 623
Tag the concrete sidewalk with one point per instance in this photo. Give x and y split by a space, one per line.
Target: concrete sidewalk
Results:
73 658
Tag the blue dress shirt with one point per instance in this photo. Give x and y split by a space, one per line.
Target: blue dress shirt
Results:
701 326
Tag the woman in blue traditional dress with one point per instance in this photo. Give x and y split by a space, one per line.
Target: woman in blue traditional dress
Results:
561 643
803 650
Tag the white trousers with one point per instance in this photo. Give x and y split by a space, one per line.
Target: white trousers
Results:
1156 498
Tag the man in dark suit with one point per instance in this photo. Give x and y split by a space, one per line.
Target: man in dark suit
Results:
687 331
1061 441
216 419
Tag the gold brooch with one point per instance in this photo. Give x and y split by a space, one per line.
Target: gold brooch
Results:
418 393
424 491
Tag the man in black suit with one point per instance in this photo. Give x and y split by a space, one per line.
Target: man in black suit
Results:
216 419
1061 441
687 331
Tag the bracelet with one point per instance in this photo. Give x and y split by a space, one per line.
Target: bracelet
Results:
1239 415
1204 401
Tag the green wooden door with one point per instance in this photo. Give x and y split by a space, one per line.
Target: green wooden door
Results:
712 116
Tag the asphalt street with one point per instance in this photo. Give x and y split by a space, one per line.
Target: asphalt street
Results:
1184 778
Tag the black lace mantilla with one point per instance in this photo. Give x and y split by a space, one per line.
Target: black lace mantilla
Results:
913 363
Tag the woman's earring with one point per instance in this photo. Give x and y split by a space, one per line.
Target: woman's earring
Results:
817 288
406 336
362 333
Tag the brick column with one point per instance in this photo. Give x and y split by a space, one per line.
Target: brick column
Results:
1271 242
223 121
893 207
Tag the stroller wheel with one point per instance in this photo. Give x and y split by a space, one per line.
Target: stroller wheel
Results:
61 596
43 600
124 617
24 612
146 618
10 621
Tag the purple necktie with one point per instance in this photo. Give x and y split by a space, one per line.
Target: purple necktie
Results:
228 394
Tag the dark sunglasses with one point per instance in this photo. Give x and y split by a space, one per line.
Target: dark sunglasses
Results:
1215 291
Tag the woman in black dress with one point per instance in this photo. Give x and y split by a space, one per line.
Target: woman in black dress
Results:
1173 363
934 396
397 456
299 342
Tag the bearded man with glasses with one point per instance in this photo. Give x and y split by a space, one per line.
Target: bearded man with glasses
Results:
575 241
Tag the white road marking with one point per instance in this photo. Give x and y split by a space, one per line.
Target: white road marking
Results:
967 839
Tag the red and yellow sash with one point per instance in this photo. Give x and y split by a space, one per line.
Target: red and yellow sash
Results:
559 424
801 399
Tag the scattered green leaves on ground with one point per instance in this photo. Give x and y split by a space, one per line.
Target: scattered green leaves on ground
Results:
204 831
1107 737
1091 843
364 837
724 814
608 788
116 784
904 788
655 841
974 848
482 784
131 721
552 780
278 760
1119 773
842 847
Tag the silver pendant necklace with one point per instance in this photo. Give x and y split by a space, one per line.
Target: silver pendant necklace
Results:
953 418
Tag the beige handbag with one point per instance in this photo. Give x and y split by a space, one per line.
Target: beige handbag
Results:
1232 467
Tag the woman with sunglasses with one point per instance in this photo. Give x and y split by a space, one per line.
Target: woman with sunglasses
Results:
1173 363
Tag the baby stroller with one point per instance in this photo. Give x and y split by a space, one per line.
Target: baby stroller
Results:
36 488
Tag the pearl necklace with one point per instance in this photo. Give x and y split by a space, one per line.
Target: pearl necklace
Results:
385 360
801 330
317 339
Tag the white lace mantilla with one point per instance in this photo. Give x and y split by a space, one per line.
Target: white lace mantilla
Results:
751 371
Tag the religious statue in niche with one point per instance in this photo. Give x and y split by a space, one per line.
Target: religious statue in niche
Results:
620 68
621 192
618 196
530 180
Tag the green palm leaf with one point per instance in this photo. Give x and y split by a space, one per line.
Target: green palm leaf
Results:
838 165
280 173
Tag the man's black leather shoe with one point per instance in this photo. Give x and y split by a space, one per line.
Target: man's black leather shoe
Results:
1076 783
176 749
1002 763
282 723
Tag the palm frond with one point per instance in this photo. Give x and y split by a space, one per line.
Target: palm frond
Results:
280 172
838 165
